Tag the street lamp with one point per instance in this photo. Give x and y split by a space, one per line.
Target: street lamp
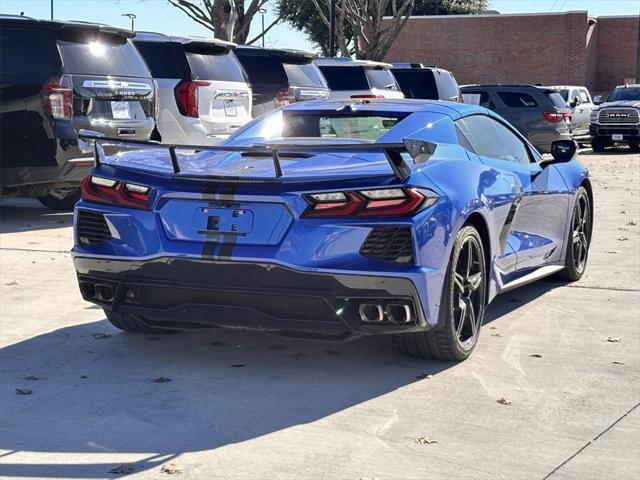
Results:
262 12
131 17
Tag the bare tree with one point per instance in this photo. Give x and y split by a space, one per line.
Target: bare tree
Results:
227 19
372 31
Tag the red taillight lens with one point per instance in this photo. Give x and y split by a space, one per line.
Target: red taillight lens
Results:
58 95
553 116
112 192
367 96
284 97
367 203
186 93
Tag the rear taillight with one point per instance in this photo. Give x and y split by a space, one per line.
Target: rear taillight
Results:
554 116
383 202
156 101
284 97
187 96
112 192
370 95
58 96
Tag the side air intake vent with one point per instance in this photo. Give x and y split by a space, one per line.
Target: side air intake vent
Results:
92 228
389 244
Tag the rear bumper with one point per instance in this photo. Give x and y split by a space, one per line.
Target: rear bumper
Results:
187 293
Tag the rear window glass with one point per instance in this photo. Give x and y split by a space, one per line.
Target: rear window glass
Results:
381 78
21 51
263 69
345 78
448 87
100 55
165 59
417 83
556 99
564 93
304 75
223 67
517 99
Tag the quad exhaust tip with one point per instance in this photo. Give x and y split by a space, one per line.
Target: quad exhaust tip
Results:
98 291
398 313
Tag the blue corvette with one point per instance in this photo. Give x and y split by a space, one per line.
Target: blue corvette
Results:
331 220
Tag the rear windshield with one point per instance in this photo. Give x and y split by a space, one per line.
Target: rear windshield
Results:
100 55
304 75
262 69
517 99
417 83
345 78
222 67
564 93
556 99
21 51
381 78
628 93
165 59
304 125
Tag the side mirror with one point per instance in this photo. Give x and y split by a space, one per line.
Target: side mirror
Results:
87 145
575 102
562 151
597 100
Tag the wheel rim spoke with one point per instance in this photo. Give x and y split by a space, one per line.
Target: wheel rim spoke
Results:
474 281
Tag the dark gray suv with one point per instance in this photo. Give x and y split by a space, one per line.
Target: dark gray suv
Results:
540 113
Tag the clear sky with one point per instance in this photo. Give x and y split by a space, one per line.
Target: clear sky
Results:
158 15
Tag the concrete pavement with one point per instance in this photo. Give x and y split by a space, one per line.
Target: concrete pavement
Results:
250 406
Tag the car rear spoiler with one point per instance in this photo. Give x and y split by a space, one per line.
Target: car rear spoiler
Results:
419 150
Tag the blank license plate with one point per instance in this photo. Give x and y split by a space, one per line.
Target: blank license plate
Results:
617 137
120 110
230 109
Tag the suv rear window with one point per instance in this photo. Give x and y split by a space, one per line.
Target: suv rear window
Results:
556 99
381 78
21 51
304 75
345 78
262 69
215 66
165 59
517 99
417 83
101 55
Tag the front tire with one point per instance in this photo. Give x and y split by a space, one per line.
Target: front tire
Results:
597 145
464 301
634 147
131 323
579 238
65 204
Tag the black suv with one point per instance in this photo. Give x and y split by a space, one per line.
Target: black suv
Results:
617 121
540 113
281 76
427 82
55 79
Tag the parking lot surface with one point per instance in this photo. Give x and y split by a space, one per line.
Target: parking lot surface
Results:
552 389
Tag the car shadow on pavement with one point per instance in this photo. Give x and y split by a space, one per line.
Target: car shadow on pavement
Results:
26 214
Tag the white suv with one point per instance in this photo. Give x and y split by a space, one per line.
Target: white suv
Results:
202 90
348 78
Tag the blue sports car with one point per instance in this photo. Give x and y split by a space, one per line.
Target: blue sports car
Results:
331 220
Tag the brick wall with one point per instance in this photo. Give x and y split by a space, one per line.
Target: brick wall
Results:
557 48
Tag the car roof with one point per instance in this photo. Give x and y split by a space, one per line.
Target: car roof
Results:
284 52
67 24
161 37
452 109
629 85
349 62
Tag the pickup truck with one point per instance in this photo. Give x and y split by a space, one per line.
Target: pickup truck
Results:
617 120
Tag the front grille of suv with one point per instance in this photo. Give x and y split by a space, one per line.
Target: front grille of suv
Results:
391 244
92 228
618 115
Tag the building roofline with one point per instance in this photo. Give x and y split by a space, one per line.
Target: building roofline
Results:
496 15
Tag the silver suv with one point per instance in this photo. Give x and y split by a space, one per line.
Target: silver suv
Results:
617 121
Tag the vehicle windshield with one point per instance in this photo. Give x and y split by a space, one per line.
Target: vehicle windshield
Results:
627 93
364 127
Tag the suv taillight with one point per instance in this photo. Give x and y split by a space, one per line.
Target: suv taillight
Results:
156 102
284 97
555 117
57 101
187 96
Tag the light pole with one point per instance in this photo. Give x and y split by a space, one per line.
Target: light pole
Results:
131 17
332 29
51 9
262 12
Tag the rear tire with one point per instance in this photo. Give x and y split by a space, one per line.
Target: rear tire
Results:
65 204
579 238
464 299
131 323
